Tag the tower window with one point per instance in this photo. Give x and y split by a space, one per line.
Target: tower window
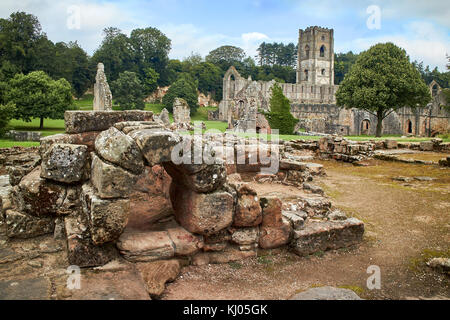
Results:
307 52
323 72
322 51
306 75
323 38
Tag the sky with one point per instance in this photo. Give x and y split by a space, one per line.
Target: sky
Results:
422 28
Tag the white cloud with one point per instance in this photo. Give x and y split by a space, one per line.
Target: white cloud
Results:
421 40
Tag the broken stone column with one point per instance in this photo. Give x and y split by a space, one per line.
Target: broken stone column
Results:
102 93
181 111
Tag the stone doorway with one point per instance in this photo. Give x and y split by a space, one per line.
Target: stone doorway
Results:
365 127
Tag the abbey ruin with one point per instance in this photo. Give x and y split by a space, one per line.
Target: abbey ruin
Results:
313 99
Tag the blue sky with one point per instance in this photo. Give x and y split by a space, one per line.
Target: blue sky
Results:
420 27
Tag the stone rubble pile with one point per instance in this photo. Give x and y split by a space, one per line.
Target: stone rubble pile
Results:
114 185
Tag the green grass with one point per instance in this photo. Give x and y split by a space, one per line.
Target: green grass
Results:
85 103
51 126
4 143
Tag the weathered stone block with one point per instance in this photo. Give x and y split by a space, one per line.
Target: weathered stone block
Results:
84 121
156 146
81 251
84 138
65 163
37 196
111 181
426 146
120 149
248 209
107 218
271 212
156 274
146 246
185 243
202 213
245 236
274 237
200 178
325 235
150 198
21 225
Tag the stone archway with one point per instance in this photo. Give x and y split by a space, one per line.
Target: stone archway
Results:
409 127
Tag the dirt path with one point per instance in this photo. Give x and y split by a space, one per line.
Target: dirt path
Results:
406 223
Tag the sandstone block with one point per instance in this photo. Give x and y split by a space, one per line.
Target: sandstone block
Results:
85 121
120 149
107 218
146 246
111 181
65 163
21 225
156 274
37 196
248 209
325 235
202 213
245 236
185 243
156 146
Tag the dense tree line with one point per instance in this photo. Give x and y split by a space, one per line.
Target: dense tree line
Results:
136 65
25 48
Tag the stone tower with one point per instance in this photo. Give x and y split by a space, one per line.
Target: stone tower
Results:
315 64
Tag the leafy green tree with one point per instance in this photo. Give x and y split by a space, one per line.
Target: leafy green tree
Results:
381 81
226 56
151 49
174 68
209 79
36 95
150 80
116 53
280 116
6 113
128 91
342 64
184 87
19 35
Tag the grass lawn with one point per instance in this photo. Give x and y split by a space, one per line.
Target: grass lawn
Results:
57 126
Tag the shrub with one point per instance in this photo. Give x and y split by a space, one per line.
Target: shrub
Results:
280 116
184 87
128 91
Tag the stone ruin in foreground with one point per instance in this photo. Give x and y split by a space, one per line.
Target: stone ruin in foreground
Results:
109 186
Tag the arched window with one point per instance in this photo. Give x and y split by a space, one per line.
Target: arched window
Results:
307 52
306 75
322 51
323 72
434 90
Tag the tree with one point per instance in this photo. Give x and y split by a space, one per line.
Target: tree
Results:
115 53
151 49
226 56
18 37
6 113
342 64
150 80
381 81
209 79
128 91
184 87
36 95
280 116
